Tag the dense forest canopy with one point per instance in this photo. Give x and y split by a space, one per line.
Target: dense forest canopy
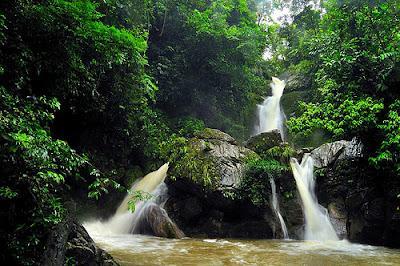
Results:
89 89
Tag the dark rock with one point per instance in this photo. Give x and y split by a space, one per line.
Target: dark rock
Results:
361 206
83 251
192 209
69 241
338 217
54 254
264 141
214 215
155 221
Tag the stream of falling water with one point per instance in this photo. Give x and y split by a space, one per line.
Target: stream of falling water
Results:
317 223
270 115
124 221
275 205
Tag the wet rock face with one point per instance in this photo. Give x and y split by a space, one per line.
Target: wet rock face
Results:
361 206
201 213
155 221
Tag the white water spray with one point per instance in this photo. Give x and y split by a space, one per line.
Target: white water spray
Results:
275 205
126 222
270 114
317 223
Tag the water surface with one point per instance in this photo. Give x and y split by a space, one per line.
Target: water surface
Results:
147 250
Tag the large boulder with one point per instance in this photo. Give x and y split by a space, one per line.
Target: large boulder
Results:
155 221
264 141
329 153
227 155
201 210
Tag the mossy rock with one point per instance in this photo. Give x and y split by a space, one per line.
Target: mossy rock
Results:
215 134
262 142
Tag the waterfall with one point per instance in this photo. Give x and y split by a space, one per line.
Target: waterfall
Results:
275 205
270 115
317 223
126 222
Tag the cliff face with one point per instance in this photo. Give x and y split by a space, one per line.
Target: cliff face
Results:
361 202
362 206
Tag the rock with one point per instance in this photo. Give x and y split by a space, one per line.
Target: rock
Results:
83 251
227 155
69 242
328 153
155 221
338 217
296 81
210 211
192 209
210 134
361 206
54 253
200 212
264 141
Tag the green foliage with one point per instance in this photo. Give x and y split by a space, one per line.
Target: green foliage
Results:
187 160
101 185
389 150
347 118
35 168
190 125
256 183
281 153
96 71
353 57
137 196
206 57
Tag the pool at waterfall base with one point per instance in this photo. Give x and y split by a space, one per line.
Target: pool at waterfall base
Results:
130 249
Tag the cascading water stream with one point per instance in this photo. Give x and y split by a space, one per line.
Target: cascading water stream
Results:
275 205
270 115
126 222
317 222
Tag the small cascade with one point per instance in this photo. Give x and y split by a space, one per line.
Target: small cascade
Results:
317 222
126 222
275 205
270 115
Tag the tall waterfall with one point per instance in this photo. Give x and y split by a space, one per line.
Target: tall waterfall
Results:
275 205
124 221
317 223
270 115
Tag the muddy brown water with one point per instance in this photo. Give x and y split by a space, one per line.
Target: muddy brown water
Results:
147 250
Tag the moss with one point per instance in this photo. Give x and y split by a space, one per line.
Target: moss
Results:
210 134
188 160
255 185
